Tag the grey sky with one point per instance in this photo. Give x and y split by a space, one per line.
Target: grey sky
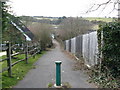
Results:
59 8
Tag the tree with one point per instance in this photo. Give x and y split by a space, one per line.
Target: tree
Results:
97 6
9 32
42 33
116 4
0 23
5 20
71 27
26 20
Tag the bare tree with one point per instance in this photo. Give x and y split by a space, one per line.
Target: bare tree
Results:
95 7
42 33
71 27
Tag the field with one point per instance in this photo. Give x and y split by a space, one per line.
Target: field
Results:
99 19
96 27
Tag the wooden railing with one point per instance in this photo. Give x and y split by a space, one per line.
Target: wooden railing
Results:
28 49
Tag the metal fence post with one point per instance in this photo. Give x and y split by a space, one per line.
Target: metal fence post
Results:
9 59
58 73
70 45
64 45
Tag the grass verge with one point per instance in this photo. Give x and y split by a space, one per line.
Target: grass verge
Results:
18 71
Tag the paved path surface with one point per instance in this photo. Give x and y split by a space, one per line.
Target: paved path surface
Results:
45 72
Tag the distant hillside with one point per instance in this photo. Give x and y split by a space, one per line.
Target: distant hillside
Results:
100 19
42 19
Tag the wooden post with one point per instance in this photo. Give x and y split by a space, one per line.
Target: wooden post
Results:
26 53
39 47
34 50
9 59
101 53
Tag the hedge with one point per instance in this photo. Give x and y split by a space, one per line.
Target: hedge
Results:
110 47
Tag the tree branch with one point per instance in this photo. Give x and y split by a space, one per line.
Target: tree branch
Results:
105 5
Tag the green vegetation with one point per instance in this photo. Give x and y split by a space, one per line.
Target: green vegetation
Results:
99 19
71 27
50 85
111 47
4 8
18 71
64 85
9 32
107 73
19 57
42 33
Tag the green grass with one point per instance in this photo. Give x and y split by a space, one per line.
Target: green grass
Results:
18 71
96 27
50 85
99 19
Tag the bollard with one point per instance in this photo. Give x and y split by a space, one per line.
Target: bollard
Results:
58 73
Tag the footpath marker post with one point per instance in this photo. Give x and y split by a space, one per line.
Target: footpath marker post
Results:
58 73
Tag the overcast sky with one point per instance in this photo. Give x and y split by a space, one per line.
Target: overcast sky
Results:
57 8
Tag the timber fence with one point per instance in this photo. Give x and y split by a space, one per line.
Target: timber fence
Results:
29 49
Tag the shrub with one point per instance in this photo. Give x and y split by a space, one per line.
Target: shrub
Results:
111 47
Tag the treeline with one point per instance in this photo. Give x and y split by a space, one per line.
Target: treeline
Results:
57 20
108 70
41 30
42 19
67 27
11 33
73 26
